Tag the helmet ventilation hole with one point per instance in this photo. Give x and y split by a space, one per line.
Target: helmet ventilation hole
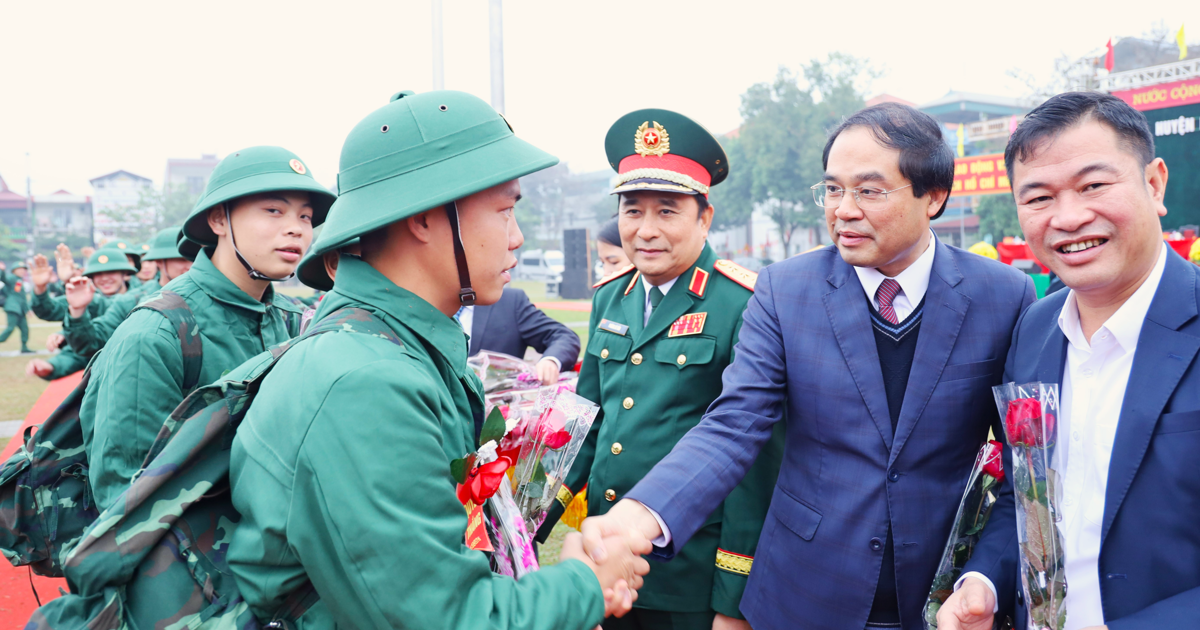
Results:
383 129
443 107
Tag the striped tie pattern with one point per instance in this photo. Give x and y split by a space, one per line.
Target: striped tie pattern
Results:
884 295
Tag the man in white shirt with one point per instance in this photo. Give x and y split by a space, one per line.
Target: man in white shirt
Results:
1121 342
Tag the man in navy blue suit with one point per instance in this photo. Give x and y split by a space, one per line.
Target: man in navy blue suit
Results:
879 354
1122 344
514 324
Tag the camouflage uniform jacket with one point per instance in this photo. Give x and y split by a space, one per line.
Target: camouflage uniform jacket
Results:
342 476
86 334
138 380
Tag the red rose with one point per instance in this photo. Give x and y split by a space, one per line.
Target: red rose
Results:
482 482
1025 424
557 439
993 464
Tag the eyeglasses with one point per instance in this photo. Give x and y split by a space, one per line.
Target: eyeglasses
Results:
830 196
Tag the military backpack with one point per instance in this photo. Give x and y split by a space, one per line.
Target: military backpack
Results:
157 557
45 497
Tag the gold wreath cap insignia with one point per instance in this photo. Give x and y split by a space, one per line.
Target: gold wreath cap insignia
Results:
647 141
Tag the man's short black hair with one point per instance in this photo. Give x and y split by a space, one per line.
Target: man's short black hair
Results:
925 158
1071 108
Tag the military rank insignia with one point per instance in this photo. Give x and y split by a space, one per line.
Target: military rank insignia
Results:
613 327
690 324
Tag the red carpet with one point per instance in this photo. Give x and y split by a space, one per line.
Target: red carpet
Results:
16 596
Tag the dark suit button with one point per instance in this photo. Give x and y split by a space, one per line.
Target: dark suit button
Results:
876 544
893 476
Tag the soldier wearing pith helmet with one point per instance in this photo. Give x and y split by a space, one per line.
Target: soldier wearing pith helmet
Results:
662 331
341 469
250 227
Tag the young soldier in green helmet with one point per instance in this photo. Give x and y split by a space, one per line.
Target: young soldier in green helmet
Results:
251 227
108 270
341 469
663 331
86 334
15 305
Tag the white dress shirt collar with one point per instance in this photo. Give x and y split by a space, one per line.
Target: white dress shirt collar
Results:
1125 325
664 287
914 281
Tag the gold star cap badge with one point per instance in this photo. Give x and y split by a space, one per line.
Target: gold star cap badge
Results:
297 166
648 141
102 259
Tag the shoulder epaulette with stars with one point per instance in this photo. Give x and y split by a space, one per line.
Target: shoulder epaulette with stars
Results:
736 272
613 276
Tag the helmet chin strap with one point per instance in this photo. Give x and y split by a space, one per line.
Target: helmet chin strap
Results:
254 273
466 295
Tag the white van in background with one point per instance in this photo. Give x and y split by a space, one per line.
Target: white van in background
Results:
536 264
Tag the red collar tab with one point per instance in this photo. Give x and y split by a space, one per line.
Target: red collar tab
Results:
699 282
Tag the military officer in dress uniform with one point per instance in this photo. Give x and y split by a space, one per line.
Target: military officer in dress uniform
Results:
662 331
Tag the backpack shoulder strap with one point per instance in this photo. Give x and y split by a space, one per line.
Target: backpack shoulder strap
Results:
176 310
354 319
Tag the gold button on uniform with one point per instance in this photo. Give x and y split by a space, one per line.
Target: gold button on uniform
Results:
636 358
604 353
628 404
617 448
610 495
681 360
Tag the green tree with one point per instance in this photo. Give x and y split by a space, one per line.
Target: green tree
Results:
998 217
785 126
732 200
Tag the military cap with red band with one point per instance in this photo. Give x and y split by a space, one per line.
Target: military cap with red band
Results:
657 149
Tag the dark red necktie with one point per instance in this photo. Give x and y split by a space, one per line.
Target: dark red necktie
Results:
885 294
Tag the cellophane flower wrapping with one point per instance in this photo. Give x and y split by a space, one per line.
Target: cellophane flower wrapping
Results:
973 511
1030 413
514 554
502 373
549 444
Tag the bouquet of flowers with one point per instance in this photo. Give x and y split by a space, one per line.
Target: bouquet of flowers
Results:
549 444
969 521
1030 415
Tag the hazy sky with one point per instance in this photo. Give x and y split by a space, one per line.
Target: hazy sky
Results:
91 87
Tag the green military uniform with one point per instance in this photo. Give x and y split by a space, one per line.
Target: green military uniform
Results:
654 379
15 306
138 379
86 334
342 473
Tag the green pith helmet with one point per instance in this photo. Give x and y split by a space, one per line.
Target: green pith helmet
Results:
129 250
20 264
419 152
248 172
107 259
658 149
164 245
312 268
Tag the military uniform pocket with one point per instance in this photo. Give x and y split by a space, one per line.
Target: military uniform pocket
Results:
609 346
685 351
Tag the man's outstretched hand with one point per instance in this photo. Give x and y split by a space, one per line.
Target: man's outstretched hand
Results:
620 575
969 608
624 517
64 262
39 274
80 293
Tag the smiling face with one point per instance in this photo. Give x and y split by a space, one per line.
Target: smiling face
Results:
663 233
149 268
1090 211
894 232
490 236
272 230
110 282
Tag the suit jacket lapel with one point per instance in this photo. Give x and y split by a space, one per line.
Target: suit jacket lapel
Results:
1163 355
850 319
945 310
478 326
